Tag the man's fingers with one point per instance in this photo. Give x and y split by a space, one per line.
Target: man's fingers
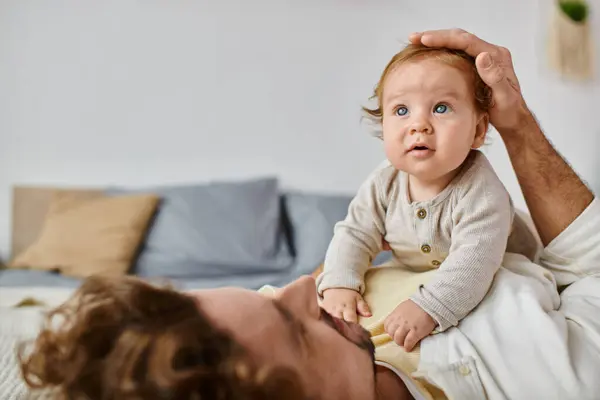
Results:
415 37
363 308
458 39
350 314
505 87
496 67
489 69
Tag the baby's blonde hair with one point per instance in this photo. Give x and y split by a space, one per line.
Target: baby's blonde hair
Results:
482 94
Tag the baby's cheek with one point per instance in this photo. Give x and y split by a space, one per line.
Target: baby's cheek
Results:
393 150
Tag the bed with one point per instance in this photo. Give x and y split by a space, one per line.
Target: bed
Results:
303 225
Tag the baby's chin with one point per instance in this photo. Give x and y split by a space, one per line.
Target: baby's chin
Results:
420 170
429 171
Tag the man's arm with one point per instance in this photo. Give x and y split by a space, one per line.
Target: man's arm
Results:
554 193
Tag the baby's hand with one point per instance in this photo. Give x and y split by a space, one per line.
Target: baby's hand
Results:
345 303
408 324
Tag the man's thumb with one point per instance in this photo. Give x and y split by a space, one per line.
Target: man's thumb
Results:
363 308
490 71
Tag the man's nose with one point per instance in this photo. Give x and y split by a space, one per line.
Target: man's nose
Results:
300 297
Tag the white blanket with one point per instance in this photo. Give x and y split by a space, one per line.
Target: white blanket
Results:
524 341
15 325
18 324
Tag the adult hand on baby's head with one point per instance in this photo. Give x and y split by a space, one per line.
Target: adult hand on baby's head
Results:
494 64
408 324
345 304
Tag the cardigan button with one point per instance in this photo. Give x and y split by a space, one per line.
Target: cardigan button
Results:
421 213
464 370
426 248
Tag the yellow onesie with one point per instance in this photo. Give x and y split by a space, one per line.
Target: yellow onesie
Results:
385 288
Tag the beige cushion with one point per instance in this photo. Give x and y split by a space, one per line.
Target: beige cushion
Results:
29 209
83 235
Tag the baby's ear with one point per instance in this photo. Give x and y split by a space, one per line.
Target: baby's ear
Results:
481 129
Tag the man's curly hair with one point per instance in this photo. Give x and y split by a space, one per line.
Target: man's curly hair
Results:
123 338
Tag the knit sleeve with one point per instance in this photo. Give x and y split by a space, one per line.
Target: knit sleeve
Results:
482 219
357 239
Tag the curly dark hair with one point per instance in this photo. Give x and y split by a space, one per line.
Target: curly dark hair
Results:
124 338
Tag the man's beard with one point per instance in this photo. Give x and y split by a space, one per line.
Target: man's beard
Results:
352 332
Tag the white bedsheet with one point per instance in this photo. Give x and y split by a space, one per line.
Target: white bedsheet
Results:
18 324
48 295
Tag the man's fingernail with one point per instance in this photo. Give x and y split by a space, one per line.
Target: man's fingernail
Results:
425 39
486 61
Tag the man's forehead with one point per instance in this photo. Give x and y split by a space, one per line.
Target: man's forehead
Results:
231 305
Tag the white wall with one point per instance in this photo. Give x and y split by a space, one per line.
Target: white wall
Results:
144 92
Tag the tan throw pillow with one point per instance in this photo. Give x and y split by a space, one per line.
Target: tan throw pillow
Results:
82 236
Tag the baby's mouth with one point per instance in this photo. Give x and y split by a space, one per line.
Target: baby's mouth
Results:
420 148
421 151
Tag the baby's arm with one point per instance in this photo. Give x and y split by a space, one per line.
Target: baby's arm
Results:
482 219
357 239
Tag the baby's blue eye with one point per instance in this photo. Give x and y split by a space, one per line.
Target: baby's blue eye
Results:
441 108
401 111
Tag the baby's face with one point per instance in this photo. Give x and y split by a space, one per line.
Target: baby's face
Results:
430 122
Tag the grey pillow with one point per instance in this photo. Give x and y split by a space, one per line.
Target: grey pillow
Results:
214 229
312 218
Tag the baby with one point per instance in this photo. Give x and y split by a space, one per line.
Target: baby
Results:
437 202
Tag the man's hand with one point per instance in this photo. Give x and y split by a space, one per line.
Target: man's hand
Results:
345 304
494 64
555 195
408 324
